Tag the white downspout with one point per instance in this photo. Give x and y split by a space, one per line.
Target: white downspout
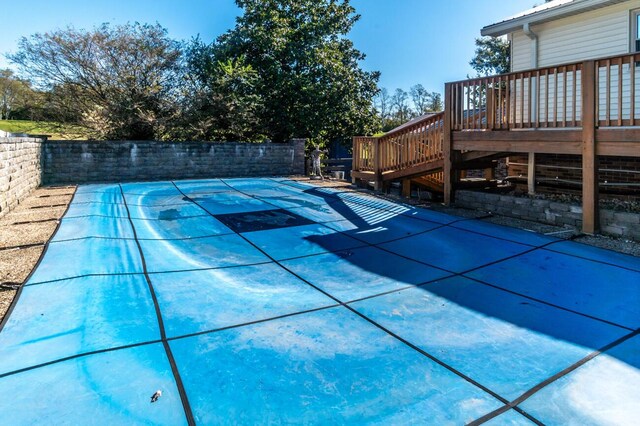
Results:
526 28
534 41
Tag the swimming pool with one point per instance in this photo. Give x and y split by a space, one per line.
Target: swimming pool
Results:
276 301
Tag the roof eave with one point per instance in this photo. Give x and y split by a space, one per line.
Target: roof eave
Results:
562 11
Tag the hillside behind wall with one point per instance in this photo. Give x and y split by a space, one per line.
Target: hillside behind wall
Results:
20 170
110 161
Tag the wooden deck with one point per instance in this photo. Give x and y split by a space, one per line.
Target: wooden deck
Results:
591 108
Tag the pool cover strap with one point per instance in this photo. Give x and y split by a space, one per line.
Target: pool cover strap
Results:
163 337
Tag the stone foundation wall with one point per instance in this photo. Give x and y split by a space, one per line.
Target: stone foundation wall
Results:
619 224
20 170
114 161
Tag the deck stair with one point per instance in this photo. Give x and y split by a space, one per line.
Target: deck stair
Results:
412 153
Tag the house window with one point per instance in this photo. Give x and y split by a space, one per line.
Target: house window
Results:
635 31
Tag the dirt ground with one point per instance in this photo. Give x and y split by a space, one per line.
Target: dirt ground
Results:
24 232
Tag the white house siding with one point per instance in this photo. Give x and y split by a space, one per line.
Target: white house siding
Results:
590 35
520 51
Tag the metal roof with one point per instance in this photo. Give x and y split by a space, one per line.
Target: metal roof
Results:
548 11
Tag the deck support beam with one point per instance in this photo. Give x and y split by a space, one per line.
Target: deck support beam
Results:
531 173
590 208
406 188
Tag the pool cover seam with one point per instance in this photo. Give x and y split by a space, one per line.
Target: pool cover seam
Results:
75 356
151 342
384 329
462 274
163 337
532 391
125 217
102 237
14 302
596 260
518 242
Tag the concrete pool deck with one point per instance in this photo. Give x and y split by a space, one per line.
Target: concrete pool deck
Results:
271 300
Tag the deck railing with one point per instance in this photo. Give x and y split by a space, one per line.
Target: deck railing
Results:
414 144
617 97
541 98
548 97
418 143
363 153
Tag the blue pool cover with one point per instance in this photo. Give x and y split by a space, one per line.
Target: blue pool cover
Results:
250 301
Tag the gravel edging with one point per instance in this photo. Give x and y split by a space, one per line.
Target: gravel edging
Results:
24 231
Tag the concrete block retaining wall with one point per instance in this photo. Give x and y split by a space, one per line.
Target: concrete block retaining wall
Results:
20 170
618 224
111 161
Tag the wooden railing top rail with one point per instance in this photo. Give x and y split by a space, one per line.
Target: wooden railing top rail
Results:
433 118
626 58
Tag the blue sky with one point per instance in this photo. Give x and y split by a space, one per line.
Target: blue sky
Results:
409 41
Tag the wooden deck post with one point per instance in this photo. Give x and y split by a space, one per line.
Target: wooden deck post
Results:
355 162
447 148
377 183
590 207
489 174
531 173
406 188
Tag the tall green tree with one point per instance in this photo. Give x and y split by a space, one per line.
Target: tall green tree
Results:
221 100
121 82
425 101
14 94
308 71
492 56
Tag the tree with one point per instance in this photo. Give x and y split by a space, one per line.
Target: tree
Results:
492 56
425 101
222 102
382 103
14 93
400 103
435 102
308 71
120 82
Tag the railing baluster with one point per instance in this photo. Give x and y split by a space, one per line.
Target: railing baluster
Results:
529 99
619 91
573 92
508 101
555 97
538 85
632 91
521 100
608 94
564 97
546 98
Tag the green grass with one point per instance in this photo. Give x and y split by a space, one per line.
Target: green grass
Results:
55 131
